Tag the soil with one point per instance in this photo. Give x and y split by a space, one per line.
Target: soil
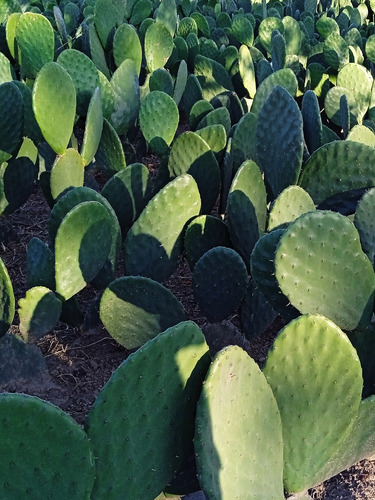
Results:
81 359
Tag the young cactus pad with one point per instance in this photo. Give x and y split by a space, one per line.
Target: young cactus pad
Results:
292 202
45 453
316 377
238 441
7 302
135 309
154 242
83 242
54 104
321 268
142 423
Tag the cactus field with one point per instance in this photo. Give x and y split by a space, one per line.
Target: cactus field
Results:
187 249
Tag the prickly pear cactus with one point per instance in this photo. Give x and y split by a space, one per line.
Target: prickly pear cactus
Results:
289 205
126 45
54 105
82 245
135 309
153 427
337 167
93 128
39 311
56 459
316 377
219 283
15 193
110 154
67 172
246 209
279 140
125 85
158 119
239 453
190 154
212 76
40 265
11 120
158 46
154 243
7 303
321 268
364 222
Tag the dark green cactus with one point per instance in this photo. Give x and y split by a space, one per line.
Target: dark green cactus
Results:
7 303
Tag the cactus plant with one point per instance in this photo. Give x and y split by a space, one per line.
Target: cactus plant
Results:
7 303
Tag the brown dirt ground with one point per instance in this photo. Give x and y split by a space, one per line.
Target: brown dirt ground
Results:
80 361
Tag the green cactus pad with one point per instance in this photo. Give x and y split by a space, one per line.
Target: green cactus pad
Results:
154 243
359 444
284 78
202 234
158 119
110 154
289 205
11 121
107 95
279 140
107 15
219 283
35 41
56 459
40 265
97 51
266 28
7 8
7 302
242 30
126 45
243 141
128 192
15 193
215 136
239 452
39 311
54 105
337 167
360 133
167 15
158 46
161 80
212 76
84 74
256 313
67 172
358 80
315 375
246 209
125 85
30 126
198 111
321 268
134 310
191 154
332 105
336 51
93 128
130 424
364 222
262 266
247 70
82 245
312 122
217 116
180 83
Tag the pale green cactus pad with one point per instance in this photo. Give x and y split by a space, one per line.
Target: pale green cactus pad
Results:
316 377
289 205
238 441
135 309
154 243
54 104
321 268
126 45
332 105
364 222
84 74
7 302
39 311
191 154
158 119
360 133
145 415
337 167
67 172
212 76
56 459
358 80
82 245
93 128
158 46
35 40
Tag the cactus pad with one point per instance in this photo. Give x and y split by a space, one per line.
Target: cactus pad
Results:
239 452
145 415
321 268
158 46
125 85
126 45
46 454
284 78
7 303
315 375
289 205
364 222
110 154
136 309
93 128
11 120
67 172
